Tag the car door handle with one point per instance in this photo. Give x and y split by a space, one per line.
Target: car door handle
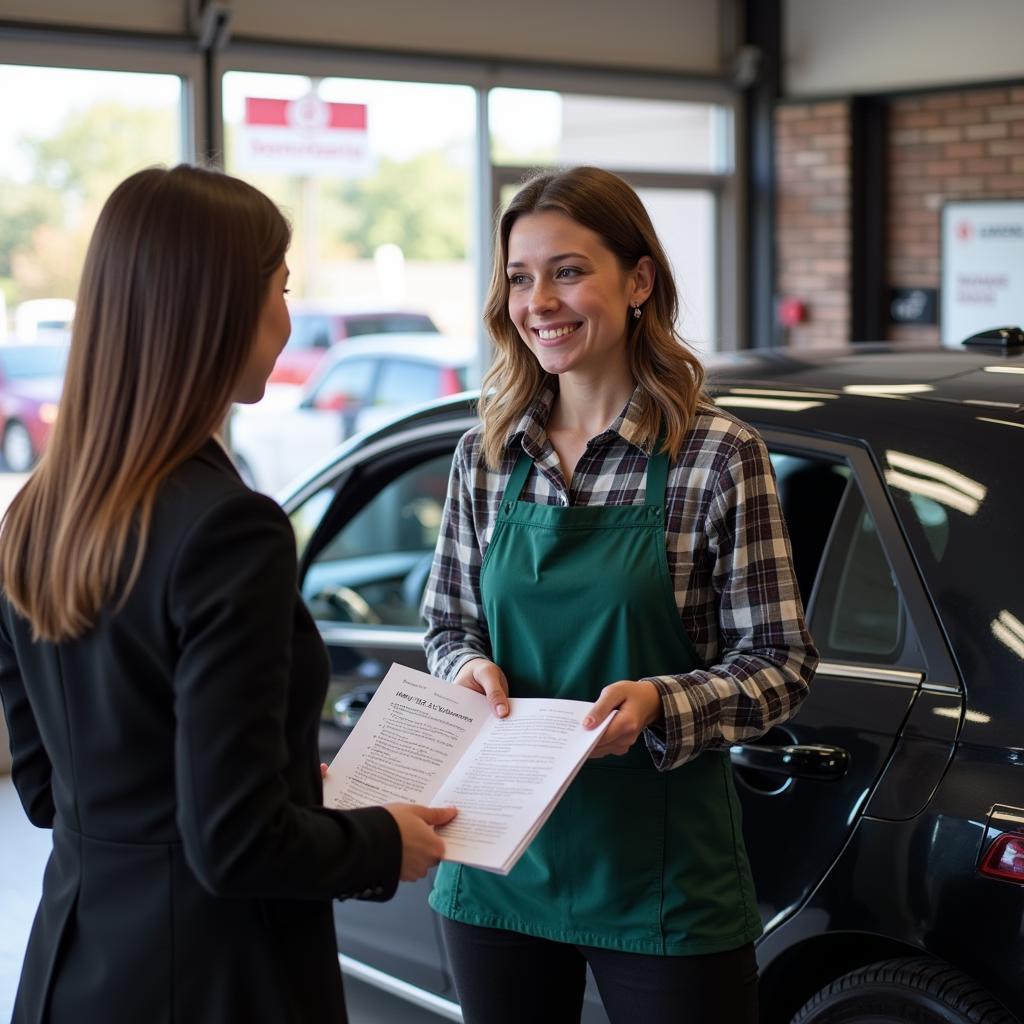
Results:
805 761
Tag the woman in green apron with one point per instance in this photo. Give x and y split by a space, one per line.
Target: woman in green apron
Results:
611 536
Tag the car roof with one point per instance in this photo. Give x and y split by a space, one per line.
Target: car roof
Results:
973 376
862 379
442 349
349 308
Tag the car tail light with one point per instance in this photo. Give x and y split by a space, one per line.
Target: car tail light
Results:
1005 858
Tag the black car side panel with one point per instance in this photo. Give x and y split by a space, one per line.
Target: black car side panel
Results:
915 882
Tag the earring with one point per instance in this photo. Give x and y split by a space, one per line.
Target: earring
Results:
637 311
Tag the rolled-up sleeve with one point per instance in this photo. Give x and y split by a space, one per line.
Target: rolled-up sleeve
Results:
456 628
766 657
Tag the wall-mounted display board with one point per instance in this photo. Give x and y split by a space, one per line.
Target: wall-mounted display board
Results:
982 267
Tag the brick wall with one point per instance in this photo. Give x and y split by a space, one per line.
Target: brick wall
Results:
812 215
962 144
949 145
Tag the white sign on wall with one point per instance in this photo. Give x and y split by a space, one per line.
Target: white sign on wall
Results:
306 136
982 267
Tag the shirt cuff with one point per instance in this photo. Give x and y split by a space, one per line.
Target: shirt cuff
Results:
673 741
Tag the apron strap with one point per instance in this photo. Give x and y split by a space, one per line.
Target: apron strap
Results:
517 479
657 474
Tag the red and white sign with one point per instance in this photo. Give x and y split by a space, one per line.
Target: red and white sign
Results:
306 136
982 267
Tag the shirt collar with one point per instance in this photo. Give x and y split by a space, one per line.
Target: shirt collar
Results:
531 434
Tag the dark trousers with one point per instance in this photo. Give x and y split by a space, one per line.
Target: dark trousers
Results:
504 977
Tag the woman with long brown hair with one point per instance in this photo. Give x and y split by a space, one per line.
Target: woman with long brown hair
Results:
611 536
161 677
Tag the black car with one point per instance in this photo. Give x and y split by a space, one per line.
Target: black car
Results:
885 823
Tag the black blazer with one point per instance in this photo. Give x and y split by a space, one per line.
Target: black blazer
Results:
172 749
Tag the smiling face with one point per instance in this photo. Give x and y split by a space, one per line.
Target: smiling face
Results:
569 297
272 331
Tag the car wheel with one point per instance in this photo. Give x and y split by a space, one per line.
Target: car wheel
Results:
19 455
895 991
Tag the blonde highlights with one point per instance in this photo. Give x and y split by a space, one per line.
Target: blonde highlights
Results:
670 376
174 280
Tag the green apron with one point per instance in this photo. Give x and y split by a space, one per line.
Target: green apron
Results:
631 858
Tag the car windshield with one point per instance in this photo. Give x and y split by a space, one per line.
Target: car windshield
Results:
309 331
34 361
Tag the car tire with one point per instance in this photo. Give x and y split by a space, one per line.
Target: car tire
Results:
914 989
19 455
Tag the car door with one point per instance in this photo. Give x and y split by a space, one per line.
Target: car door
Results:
805 784
366 533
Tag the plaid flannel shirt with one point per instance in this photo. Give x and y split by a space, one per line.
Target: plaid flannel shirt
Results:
728 555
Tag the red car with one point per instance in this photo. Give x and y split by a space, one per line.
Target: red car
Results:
316 327
31 381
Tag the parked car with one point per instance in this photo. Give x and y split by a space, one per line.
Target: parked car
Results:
360 385
31 381
885 823
317 326
44 320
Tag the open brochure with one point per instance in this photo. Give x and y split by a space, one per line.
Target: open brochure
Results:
421 740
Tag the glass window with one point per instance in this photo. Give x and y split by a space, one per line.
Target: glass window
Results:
685 222
866 615
307 517
309 330
532 127
375 569
24 362
859 613
377 178
810 492
349 381
407 383
66 140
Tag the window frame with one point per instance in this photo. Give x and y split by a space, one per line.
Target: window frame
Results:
940 673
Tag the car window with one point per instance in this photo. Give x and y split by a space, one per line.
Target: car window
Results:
374 570
859 613
306 518
34 361
932 520
403 382
347 382
309 330
810 492
405 322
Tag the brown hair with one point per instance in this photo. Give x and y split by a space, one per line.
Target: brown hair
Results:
174 280
670 376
